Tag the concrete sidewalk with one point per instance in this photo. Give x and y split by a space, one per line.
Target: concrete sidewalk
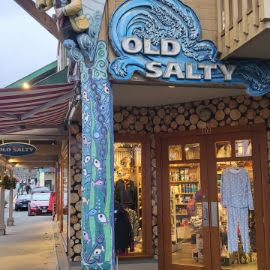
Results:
29 245
135 265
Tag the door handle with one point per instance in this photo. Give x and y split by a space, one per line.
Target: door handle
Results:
205 214
214 214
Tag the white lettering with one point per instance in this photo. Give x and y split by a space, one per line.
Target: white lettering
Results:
173 69
189 73
132 45
147 48
207 70
227 71
155 70
170 47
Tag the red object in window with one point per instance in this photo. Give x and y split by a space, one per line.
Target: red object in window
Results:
52 201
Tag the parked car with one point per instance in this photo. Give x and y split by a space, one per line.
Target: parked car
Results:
22 202
39 204
40 190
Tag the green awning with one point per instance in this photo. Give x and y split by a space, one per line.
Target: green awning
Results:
36 76
57 78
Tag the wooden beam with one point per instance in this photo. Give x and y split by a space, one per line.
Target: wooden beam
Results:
21 128
46 150
34 159
23 137
42 17
37 165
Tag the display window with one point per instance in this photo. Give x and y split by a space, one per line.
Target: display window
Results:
186 212
212 201
237 227
131 213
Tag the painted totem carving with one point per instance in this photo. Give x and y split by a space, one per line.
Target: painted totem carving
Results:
79 21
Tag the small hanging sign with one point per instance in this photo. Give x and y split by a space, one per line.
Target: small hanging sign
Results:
16 149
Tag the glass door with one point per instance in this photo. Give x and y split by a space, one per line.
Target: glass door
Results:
187 215
235 225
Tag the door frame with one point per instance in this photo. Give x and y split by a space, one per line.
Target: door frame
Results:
258 134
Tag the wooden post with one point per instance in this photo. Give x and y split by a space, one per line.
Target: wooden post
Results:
2 212
97 225
10 220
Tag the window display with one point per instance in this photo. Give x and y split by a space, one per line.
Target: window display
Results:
186 208
223 149
236 215
128 197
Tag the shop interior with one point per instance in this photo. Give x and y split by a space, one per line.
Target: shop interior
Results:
186 206
128 198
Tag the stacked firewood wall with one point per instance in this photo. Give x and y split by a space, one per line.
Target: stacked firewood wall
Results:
228 111
75 192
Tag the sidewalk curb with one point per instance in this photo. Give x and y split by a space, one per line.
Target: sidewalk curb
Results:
54 247
61 257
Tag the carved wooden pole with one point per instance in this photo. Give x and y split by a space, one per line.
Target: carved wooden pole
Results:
97 159
97 208
97 130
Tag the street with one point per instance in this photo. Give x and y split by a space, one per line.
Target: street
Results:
29 245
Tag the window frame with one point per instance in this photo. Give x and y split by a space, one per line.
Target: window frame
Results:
144 140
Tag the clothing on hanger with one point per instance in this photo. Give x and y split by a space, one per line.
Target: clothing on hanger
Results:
236 196
134 221
126 193
124 237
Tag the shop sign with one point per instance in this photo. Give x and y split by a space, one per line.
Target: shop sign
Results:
16 149
161 39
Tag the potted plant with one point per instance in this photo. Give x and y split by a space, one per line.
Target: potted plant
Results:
8 182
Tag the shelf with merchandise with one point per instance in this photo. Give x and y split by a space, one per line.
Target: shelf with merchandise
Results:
174 183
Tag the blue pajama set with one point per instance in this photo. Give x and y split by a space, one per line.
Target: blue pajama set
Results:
236 196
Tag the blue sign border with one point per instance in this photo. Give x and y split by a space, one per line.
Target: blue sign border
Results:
172 19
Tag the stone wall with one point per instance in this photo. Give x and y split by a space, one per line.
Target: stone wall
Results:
75 193
221 112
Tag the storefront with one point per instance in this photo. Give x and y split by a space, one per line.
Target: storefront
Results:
190 171
169 160
208 157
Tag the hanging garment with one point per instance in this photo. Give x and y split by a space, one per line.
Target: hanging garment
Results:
235 189
236 215
126 193
134 221
123 230
236 196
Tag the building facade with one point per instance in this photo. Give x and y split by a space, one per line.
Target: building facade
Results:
190 82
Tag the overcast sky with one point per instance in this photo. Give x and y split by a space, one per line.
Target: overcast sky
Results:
25 45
